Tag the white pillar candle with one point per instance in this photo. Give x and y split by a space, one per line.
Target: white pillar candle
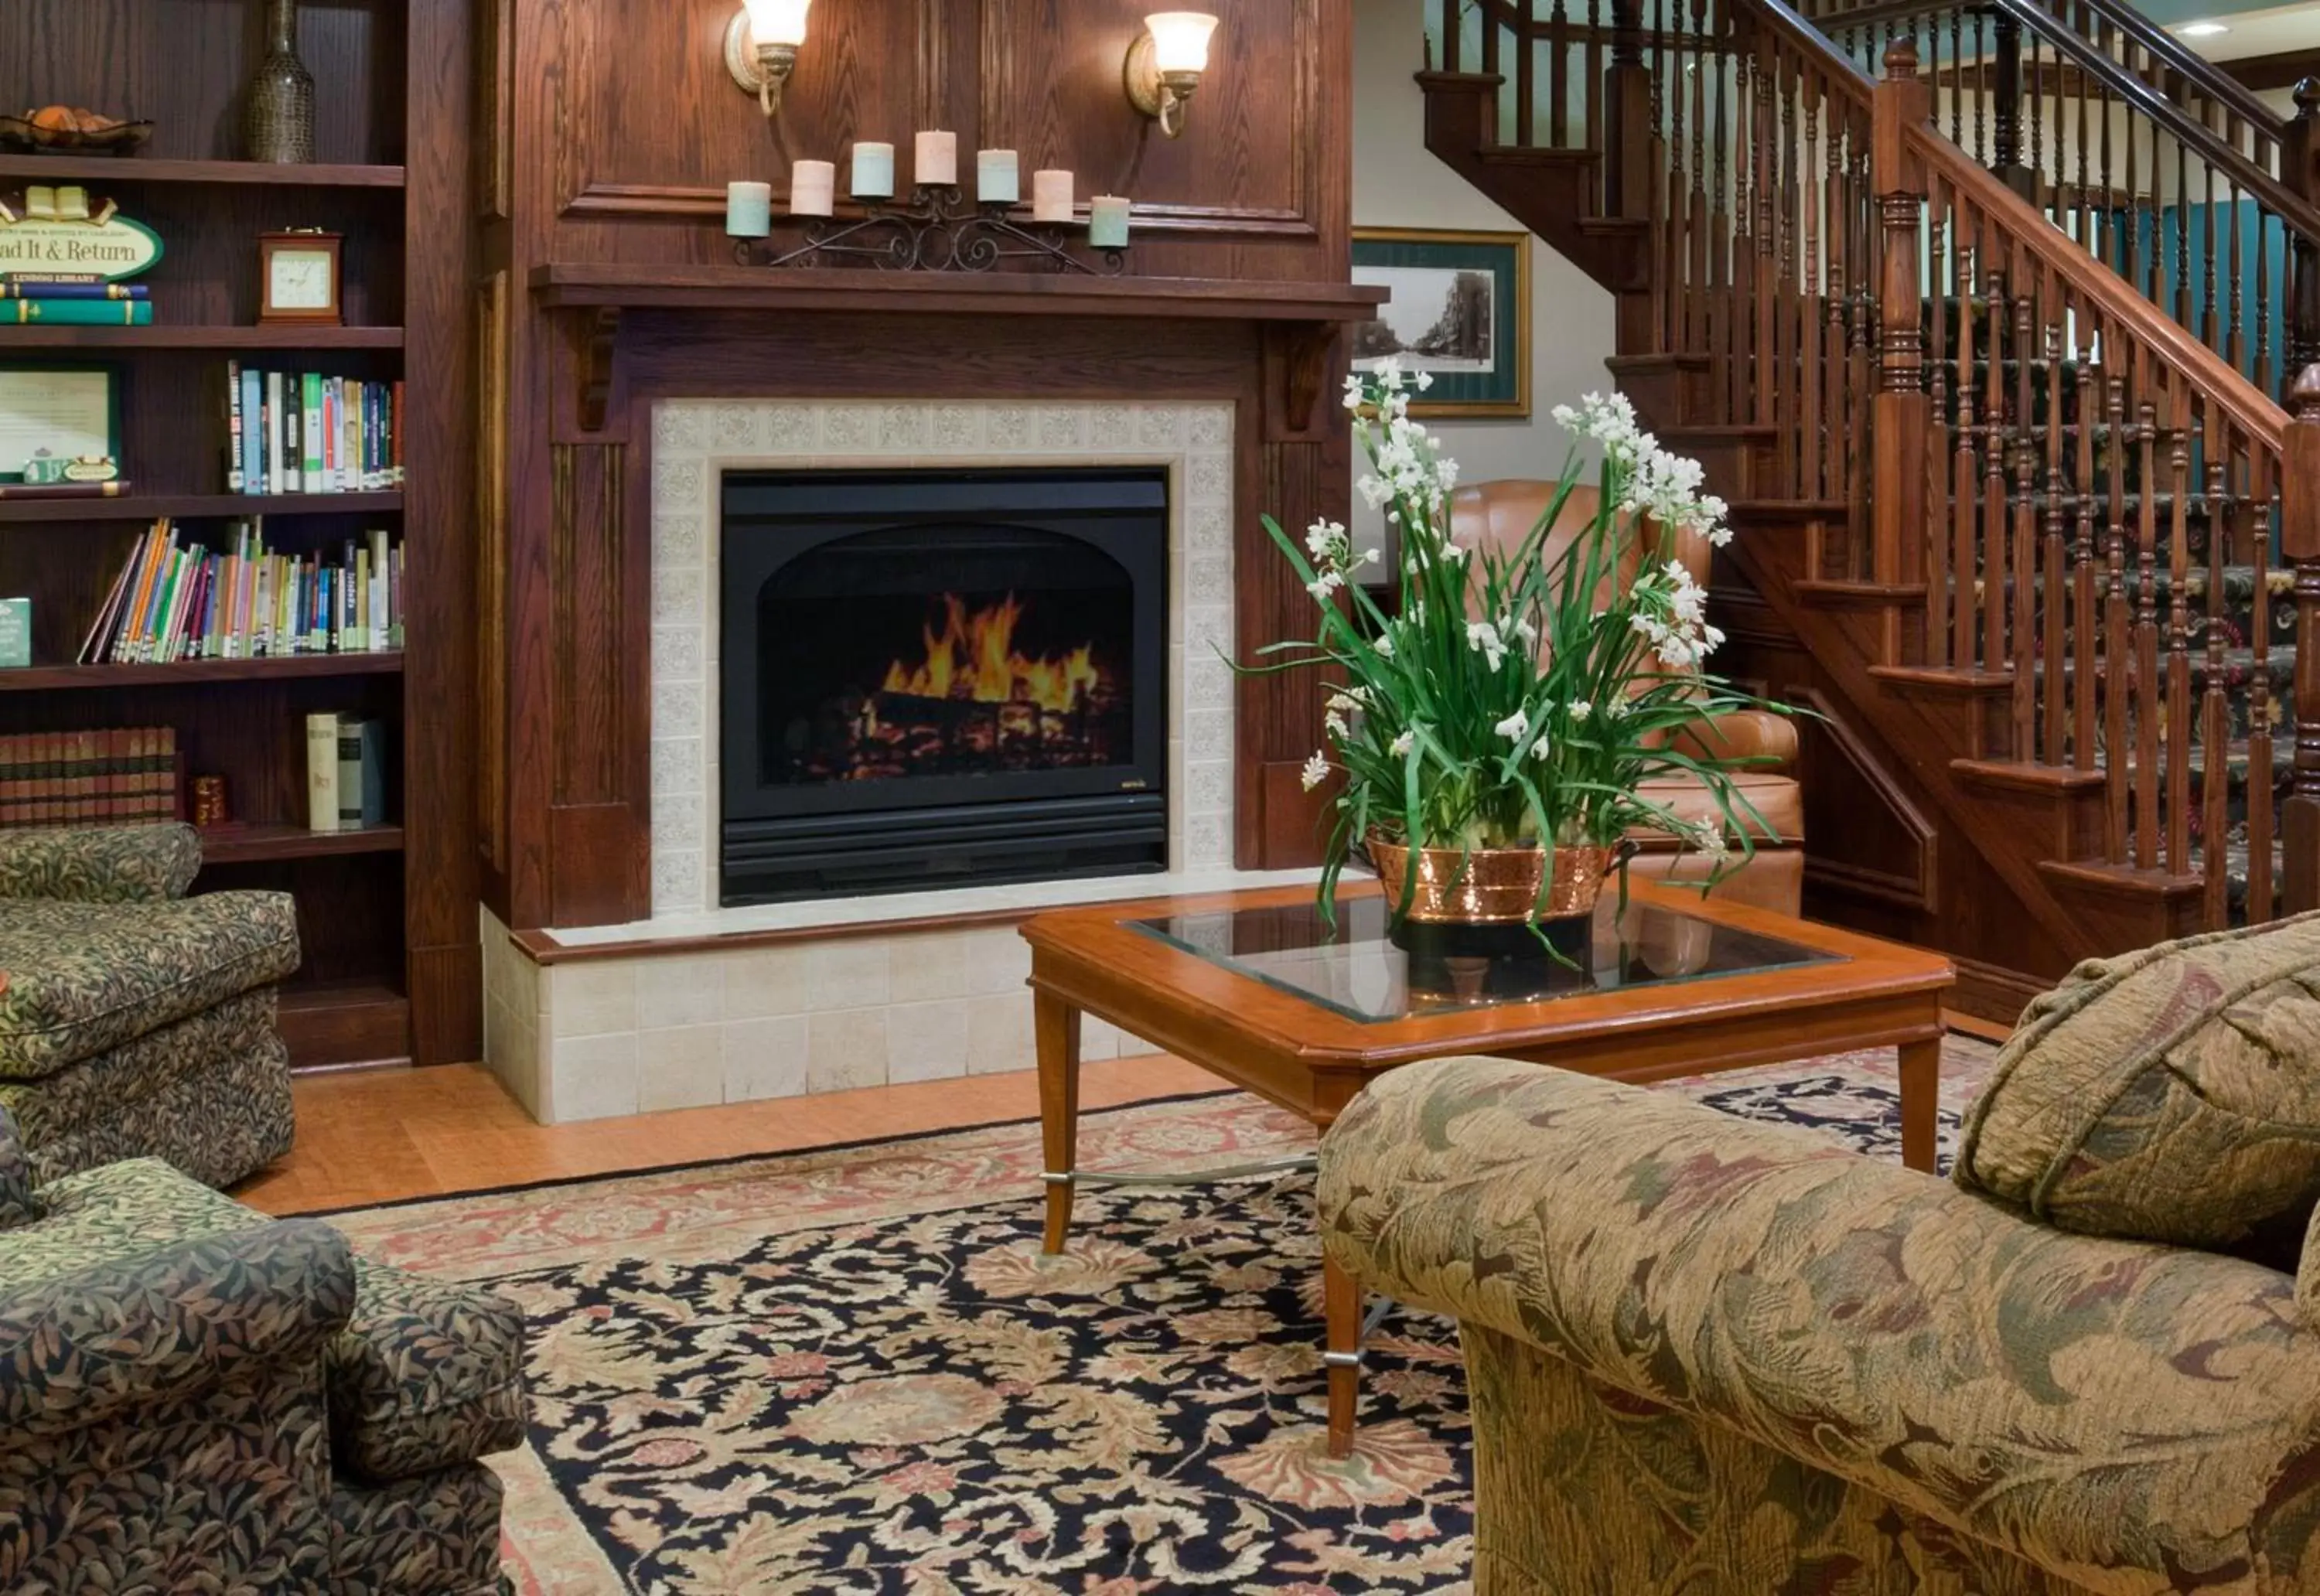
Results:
749 210
1108 221
873 171
999 177
813 188
1051 198
935 160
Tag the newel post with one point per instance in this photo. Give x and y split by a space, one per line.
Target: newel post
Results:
2299 545
1627 117
2299 169
1900 415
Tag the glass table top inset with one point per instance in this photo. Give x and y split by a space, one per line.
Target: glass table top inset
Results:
1360 973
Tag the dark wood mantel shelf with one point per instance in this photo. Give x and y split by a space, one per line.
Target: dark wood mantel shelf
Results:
757 288
1301 321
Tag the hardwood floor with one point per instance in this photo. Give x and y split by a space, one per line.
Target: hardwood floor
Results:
388 1135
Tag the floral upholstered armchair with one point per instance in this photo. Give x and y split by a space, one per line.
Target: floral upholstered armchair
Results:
136 1022
193 1398
1723 1358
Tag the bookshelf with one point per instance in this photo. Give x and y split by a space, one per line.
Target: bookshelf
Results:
386 915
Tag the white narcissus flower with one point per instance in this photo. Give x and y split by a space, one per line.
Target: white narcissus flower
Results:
1401 746
1707 839
1326 539
1316 771
1335 723
1383 645
1324 585
1515 728
1484 639
1424 381
1542 750
1580 712
1345 700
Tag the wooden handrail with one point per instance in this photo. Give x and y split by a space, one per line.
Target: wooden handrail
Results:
1800 31
2213 82
2096 284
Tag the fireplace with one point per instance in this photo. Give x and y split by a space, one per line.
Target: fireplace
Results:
941 677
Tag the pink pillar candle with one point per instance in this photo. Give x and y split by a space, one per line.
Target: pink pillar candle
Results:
1051 198
813 188
935 162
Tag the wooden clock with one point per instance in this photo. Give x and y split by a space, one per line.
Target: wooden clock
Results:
299 278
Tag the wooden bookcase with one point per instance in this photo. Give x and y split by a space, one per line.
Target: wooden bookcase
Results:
387 916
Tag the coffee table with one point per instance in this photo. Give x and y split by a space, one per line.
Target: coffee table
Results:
1252 987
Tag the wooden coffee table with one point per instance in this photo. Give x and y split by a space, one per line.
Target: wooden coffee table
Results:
1249 986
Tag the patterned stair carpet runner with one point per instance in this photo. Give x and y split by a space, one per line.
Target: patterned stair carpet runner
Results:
850 1371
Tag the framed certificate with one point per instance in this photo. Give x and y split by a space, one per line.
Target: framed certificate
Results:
69 411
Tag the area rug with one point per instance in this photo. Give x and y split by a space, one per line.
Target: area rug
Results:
850 1371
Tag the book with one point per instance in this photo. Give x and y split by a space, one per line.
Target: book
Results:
313 437
15 633
75 312
253 436
34 288
323 807
362 774
233 481
119 776
117 489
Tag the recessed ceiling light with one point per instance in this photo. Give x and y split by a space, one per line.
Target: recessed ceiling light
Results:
2202 30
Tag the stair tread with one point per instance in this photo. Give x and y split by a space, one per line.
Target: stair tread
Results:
2030 775
2103 873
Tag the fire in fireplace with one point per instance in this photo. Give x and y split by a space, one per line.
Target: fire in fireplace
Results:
935 678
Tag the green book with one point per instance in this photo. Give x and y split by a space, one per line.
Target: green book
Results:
15 633
310 432
75 312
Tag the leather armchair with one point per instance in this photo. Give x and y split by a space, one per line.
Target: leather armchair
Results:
1503 515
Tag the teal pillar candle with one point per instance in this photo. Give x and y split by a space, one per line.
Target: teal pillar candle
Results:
1108 221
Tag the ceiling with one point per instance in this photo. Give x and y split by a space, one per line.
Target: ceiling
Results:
2257 28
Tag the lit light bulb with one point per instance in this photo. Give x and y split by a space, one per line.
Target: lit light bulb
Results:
1179 40
779 22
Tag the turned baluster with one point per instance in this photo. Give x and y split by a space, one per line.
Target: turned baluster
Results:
1898 419
2299 544
1627 119
2299 166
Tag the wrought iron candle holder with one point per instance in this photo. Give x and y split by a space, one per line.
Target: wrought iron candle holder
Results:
939 230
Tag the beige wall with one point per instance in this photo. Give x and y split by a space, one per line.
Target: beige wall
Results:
1398 184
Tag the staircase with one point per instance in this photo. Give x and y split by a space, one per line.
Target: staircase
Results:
2002 404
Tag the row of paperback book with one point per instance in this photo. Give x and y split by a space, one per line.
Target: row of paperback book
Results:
346 772
299 432
126 776
178 600
31 300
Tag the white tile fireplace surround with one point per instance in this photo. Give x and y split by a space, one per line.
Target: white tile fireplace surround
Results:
842 1003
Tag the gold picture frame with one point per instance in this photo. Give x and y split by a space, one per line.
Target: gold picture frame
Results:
1428 265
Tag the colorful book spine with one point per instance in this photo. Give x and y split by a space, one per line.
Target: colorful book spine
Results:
233 448
75 312
36 288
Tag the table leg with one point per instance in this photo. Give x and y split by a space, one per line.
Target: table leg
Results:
1341 1304
1921 1094
1058 1027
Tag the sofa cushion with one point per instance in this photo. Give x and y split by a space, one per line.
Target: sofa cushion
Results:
100 863
428 1375
2171 1095
83 977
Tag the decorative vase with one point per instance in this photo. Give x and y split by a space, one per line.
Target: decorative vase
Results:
1483 903
281 114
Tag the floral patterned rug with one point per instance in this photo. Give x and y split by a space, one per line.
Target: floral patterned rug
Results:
849 1371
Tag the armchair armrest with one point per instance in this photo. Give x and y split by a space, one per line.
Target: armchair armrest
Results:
87 1344
2126 1416
1767 740
100 865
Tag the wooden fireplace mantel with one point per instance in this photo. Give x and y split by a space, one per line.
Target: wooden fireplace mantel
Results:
1302 321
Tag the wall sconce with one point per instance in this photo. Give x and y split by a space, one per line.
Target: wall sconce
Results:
761 48
1165 65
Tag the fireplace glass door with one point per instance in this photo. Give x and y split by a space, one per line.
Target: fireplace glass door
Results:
935 678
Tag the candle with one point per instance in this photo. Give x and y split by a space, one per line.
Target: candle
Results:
1108 221
935 160
1051 198
749 210
813 188
873 171
999 177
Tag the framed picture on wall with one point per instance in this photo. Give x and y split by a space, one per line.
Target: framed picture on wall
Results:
1460 312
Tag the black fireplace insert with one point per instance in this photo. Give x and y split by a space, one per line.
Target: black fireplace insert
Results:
939 677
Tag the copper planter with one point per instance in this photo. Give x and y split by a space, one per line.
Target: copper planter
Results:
1484 903
1492 885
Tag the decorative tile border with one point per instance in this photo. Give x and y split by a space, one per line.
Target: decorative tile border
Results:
696 441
